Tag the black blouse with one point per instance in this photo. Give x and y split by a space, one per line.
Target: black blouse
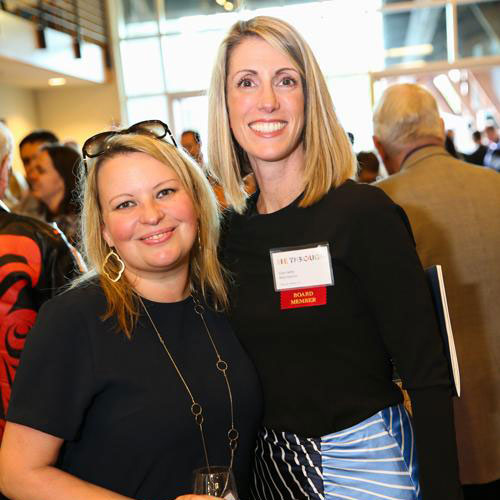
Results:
119 405
325 368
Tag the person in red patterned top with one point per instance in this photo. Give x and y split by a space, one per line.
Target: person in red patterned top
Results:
35 261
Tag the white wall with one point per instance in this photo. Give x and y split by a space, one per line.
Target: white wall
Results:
18 108
76 113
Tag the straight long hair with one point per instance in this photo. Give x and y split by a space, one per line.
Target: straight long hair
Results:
329 159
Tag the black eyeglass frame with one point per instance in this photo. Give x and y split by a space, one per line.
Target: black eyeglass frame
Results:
136 128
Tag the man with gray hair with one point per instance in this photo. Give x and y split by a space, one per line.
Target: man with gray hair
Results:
35 261
454 211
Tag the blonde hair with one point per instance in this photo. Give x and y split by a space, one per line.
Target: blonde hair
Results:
405 115
329 159
205 273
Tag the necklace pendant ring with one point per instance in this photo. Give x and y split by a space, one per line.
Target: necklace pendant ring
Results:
196 409
221 365
233 434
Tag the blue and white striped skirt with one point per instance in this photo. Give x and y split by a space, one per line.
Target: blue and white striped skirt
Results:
373 460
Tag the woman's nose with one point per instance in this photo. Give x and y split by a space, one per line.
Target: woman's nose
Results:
268 100
151 213
31 175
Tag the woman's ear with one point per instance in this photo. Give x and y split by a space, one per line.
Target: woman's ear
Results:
107 236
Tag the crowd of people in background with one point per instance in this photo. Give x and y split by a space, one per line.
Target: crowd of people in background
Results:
486 154
434 196
47 191
487 148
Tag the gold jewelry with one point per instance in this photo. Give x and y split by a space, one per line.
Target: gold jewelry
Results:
196 408
112 253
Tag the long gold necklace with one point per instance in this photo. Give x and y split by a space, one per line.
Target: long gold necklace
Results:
196 408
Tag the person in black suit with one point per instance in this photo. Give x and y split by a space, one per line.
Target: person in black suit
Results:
477 157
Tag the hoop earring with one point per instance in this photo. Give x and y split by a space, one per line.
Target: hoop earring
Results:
112 253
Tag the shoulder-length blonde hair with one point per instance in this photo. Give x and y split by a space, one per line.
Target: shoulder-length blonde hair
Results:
205 273
329 159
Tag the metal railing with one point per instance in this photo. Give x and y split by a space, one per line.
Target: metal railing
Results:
84 20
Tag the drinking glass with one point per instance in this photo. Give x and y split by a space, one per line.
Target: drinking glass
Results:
217 481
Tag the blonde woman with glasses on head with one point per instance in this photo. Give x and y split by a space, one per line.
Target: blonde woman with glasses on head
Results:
328 289
132 379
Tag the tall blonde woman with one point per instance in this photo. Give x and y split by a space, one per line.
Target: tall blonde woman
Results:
131 380
328 290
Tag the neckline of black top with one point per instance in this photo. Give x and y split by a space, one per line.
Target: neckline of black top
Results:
153 305
252 211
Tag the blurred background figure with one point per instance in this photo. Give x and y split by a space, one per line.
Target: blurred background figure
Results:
454 209
28 149
52 178
477 157
29 146
368 167
449 143
191 142
492 135
34 263
492 156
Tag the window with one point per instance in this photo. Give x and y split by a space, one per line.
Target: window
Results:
168 47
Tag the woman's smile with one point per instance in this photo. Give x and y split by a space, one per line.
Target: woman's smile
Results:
158 236
268 128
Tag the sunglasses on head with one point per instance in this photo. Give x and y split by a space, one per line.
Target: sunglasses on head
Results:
96 145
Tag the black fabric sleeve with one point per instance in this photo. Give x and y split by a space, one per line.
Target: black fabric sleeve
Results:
54 384
435 430
395 288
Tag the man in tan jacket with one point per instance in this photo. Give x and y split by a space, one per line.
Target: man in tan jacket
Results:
454 210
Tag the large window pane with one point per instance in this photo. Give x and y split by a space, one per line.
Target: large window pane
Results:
415 37
394 1
351 98
189 58
139 18
479 29
182 8
147 108
328 28
141 65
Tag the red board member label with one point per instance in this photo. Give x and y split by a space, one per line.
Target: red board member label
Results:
303 297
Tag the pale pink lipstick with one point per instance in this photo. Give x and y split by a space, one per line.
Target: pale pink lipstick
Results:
158 237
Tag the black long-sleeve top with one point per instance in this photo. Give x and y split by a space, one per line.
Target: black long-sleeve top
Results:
326 368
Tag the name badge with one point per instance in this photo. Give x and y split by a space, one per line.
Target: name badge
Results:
301 267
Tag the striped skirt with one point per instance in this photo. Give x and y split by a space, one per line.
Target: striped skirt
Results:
372 460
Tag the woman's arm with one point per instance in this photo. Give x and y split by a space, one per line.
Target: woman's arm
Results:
27 471
384 258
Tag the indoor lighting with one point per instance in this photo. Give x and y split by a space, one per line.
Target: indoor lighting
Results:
56 82
221 2
454 75
229 6
411 50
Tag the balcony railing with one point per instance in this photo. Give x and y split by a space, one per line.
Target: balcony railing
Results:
84 20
